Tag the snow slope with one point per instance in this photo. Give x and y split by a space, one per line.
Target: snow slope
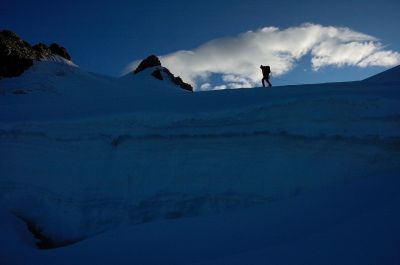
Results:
356 223
83 154
391 75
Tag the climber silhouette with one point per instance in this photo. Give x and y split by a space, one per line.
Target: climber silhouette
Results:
266 70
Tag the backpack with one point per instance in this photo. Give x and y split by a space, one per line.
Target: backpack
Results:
266 69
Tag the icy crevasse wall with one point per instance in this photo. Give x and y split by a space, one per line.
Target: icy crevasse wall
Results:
91 184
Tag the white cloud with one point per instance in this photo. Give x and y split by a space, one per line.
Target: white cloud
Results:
220 87
379 58
234 81
238 58
205 86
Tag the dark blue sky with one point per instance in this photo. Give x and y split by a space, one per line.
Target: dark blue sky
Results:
104 36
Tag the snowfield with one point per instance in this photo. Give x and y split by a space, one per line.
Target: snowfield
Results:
137 171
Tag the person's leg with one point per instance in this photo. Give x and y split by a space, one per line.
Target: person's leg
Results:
262 81
269 84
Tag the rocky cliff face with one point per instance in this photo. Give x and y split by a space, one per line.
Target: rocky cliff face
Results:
17 55
160 72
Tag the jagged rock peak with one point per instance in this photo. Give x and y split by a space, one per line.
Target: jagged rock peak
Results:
153 61
17 55
149 62
59 50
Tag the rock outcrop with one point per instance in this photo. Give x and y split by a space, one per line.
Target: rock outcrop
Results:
153 62
149 62
17 55
59 50
42 50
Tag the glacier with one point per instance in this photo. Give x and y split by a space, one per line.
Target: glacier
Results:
99 164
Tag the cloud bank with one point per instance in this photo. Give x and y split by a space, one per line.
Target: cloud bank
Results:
238 58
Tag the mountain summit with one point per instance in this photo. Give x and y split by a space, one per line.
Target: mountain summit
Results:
17 55
161 72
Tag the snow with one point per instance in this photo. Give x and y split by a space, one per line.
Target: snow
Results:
391 75
356 223
59 60
15 239
136 170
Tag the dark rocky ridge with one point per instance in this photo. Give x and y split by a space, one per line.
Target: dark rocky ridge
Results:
17 55
149 62
153 61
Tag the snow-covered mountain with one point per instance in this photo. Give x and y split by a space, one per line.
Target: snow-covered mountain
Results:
82 154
